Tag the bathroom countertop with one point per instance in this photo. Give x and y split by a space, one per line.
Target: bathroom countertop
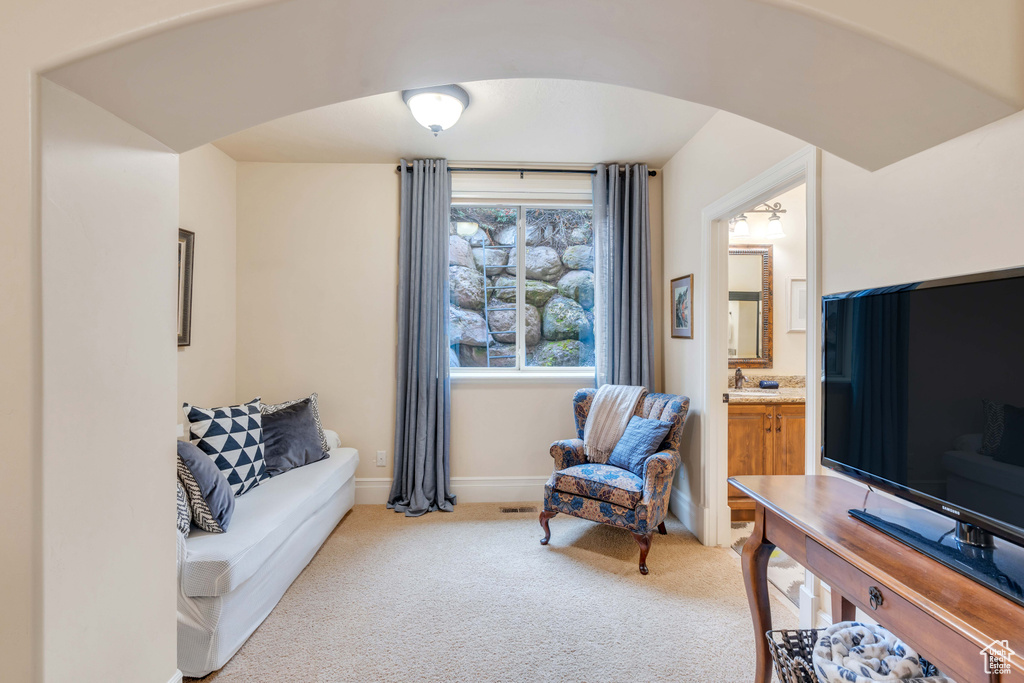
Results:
780 395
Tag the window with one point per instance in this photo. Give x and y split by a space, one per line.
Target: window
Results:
518 308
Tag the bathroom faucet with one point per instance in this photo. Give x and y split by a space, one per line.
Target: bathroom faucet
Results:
739 378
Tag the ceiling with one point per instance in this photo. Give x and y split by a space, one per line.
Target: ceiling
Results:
517 120
854 93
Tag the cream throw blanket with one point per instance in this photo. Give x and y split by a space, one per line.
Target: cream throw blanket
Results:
609 415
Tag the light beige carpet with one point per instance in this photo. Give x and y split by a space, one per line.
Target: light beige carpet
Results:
472 596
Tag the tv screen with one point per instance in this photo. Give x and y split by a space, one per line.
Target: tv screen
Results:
924 394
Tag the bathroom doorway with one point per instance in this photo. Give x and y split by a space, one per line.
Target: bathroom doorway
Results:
766 348
766 344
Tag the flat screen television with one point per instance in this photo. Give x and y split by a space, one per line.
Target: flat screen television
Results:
923 389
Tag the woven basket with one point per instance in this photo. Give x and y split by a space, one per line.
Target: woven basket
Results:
792 652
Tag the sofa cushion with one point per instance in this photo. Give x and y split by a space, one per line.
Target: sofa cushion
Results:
209 495
264 518
184 514
313 402
291 438
601 482
233 438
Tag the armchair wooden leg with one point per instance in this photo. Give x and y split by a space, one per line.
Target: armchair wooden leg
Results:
661 529
644 541
545 515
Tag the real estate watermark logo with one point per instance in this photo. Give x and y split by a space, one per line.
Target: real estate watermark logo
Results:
997 657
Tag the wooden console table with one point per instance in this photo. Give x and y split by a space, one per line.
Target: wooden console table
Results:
948 618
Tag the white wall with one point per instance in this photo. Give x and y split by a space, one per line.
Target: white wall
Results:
109 226
947 211
950 210
726 153
789 254
317 267
206 205
317 283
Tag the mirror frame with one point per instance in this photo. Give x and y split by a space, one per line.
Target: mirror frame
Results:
767 316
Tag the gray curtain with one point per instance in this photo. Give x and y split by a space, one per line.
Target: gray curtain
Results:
622 240
422 410
880 384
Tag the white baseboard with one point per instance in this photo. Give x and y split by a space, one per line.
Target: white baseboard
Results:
374 491
176 678
693 517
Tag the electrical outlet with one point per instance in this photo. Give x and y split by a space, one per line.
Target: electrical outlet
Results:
380 458
181 431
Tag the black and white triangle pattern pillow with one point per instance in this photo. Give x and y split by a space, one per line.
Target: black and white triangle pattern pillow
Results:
233 438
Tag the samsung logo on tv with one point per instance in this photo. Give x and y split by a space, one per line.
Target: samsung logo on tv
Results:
951 511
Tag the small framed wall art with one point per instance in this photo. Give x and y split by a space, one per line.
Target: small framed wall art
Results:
681 296
186 247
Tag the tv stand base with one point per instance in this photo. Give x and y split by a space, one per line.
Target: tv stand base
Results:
999 566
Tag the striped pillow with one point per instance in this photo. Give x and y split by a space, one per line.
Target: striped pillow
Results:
184 513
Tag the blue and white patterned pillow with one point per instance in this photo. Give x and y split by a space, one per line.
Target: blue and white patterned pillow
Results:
233 438
638 443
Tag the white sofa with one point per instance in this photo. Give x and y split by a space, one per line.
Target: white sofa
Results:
228 583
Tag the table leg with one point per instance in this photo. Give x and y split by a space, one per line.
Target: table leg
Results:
756 552
842 609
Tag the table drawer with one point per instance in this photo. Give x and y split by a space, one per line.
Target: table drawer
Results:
957 656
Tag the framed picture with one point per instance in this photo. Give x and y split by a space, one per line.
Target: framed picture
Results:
681 296
186 247
797 304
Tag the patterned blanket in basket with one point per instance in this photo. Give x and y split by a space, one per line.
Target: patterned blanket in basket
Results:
851 652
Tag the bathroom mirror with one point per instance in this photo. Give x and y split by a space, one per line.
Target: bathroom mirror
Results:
750 306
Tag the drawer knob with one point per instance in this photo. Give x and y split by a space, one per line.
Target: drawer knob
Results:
875 598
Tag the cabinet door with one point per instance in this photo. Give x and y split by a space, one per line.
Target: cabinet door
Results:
750 444
790 432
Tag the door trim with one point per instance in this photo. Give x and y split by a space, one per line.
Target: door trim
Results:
802 167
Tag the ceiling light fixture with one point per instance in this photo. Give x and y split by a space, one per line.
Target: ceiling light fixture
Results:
437 108
467 228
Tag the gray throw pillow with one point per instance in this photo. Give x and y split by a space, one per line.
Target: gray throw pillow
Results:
291 438
210 497
638 443
312 398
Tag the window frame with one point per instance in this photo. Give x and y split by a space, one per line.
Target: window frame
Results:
522 371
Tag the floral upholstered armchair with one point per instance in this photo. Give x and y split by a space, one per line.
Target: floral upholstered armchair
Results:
609 494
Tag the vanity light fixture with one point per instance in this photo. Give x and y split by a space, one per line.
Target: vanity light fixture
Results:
437 108
738 226
775 226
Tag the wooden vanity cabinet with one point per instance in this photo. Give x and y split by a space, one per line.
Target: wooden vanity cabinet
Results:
764 438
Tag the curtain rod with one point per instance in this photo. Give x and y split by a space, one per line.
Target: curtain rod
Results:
521 171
